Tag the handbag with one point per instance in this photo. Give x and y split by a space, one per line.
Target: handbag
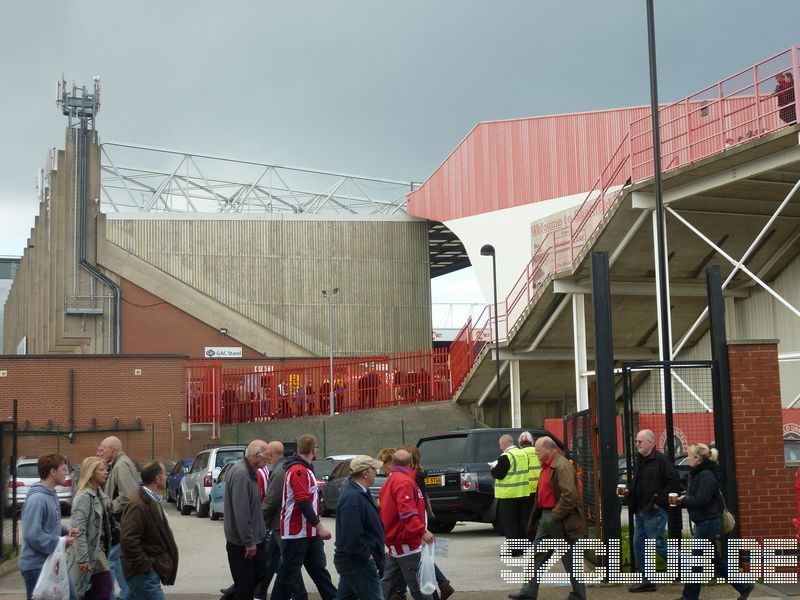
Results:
53 582
728 520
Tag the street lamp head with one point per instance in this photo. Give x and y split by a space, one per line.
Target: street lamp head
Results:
487 250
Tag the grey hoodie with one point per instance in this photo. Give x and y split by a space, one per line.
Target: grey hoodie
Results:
41 526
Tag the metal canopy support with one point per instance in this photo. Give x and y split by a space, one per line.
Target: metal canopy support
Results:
723 413
516 405
606 399
663 312
579 339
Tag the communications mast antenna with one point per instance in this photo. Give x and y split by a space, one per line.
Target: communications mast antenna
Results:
77 103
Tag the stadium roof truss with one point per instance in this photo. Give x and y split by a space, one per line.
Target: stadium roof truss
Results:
153 180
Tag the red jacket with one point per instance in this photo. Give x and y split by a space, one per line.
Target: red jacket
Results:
403 512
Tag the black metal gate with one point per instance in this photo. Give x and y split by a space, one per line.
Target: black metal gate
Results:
9 540
687 419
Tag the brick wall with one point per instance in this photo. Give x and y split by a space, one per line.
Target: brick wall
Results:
104 388
149 325
765 487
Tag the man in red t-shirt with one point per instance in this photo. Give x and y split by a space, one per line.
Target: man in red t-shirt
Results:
406 525
301 530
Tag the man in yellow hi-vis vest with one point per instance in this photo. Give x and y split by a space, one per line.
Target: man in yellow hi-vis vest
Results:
512 491
525 443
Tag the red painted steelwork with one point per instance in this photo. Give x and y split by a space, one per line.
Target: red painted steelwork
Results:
300 388
733 111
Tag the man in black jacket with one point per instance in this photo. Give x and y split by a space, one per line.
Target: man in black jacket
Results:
654 479
359 553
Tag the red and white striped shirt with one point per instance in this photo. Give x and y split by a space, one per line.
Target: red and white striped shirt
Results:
263 481
298 486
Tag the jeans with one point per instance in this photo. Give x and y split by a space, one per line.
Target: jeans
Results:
145 586
299 553
116 569
549 528
246 572
708 530
358 581
32 576
649 524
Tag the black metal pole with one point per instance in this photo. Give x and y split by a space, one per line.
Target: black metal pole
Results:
606 399
496 344
661 259
723 413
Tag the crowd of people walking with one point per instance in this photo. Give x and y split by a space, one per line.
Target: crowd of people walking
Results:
120 539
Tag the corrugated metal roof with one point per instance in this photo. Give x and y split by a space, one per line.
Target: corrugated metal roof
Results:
502 164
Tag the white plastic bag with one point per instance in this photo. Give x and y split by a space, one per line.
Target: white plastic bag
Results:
53 582
426 571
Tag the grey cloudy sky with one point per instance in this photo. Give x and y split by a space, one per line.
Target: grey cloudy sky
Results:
376 88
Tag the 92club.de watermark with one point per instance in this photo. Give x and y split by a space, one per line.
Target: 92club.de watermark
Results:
688 561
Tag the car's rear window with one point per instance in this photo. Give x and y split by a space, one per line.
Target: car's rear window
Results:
443 451
226 456
27 471
487 447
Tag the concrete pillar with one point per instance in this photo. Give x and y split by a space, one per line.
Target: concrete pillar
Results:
579 339
516 406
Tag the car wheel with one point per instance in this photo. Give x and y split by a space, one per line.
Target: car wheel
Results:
324 511
184 508
66 510
212 514
441 526
200 508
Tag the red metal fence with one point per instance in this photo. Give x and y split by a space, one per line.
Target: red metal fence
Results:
220 394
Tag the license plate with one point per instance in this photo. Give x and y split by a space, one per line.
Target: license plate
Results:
434 480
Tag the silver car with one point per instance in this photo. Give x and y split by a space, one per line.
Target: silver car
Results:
27 475
196 484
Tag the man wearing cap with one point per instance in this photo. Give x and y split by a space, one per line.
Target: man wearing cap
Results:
359 553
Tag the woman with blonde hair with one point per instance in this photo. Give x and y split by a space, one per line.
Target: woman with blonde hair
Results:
88 557
704 503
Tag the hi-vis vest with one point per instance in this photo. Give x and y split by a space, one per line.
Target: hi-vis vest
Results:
534 468
516 483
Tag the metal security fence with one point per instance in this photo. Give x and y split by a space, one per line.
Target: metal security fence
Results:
693 392
9 537
277 390
580 437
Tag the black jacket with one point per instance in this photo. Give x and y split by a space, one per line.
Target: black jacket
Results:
654 479
702 499
359 531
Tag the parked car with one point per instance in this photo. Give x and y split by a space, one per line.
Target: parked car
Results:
27 475
196 484
329 496
174 477
216 501
459 481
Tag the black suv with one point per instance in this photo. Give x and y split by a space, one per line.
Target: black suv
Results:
459 481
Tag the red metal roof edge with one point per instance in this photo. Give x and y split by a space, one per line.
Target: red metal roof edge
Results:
511 120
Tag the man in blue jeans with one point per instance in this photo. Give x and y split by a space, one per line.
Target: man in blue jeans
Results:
654 479
149 553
